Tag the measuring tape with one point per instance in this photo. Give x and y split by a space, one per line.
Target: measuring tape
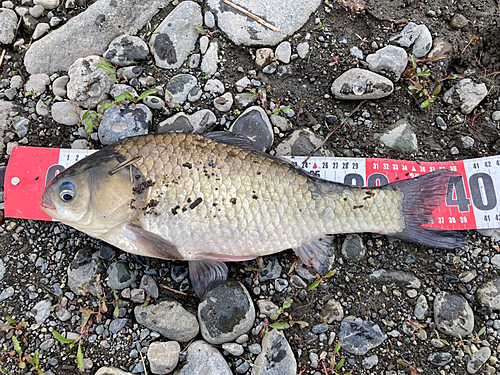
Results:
471 201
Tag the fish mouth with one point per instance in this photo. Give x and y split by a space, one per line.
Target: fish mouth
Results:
46 204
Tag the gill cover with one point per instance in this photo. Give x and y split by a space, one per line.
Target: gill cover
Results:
90 198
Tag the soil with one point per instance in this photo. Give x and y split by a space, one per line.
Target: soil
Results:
307 91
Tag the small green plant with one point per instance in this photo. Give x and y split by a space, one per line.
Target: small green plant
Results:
150 29
12 324
278 109
320 280
440 339
320 26
281 323
418 83
134 99
23 359
91 120
30 93
413 369
203 30
113 69
333 366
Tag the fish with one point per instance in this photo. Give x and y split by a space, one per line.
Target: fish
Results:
214 198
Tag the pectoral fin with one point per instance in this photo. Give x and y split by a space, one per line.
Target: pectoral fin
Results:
204 272
315 254
151 244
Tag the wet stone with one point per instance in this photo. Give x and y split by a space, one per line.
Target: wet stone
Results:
120 122
332 312
359 336
361 84
458 22
488 294
370 362
421 308
126 50
163 356
353 248
319 328
149 285
400 279
276 357
8 25
117 325
179 87
266 307
41 311
225 312
453 315
84 273
478 359
175 37
440 358
254 124
390 61
106 252
169 319
120 276
271 270
202 358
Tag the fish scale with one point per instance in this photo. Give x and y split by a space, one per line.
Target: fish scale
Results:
274 206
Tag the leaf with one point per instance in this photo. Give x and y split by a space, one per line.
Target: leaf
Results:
251 269
107 68
425 104
29 359
276 314
402 362
483 330
147 93
414 61
107 105
17 347
200 29
79 359
116 311
123 96
105 62
169 95
437 91
314 285
22 364
61 339
35 359
279 325
423 74
337 348
287 303
330 274
340 364
414 88
10 320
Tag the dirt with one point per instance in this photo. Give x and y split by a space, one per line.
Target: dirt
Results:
307 91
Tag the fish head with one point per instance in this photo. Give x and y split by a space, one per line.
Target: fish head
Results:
89 198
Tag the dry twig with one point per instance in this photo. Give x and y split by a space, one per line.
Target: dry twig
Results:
173 290
252 16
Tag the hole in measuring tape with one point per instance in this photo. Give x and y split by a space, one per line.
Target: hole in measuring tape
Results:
15 181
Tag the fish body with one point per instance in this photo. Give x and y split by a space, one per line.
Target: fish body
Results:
214 198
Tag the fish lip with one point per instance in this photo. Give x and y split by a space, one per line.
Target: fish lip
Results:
47 204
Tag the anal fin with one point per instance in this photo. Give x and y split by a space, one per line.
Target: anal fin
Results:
316 253
204 272
151 244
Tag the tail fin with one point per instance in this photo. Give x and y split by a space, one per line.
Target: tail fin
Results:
422 195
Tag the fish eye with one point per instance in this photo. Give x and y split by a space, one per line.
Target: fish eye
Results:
67 191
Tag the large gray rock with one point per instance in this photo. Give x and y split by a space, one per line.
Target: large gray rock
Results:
176 36
168 318
88 83
204 359
183 123
390 61
8 24
453 315
287 16
84 273
65 113
225 312
276 357
255 125
89 33
163 356
400 279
